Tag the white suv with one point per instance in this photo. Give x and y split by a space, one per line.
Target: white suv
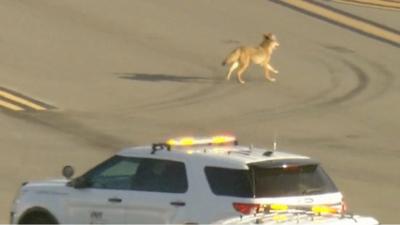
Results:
185 180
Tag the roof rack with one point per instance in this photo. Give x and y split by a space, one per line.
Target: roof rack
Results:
160 146
268 153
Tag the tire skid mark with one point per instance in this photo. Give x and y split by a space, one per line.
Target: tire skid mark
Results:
386 81
362 84
209 93
184 98
214 94
334 80
310 105
76 130
302 105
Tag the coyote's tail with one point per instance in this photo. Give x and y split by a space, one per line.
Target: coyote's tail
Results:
232 57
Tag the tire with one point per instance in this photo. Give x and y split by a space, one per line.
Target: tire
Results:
37 218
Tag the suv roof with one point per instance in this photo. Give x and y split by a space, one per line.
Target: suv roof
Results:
214 155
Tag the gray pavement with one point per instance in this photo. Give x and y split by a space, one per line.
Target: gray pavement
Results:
128 72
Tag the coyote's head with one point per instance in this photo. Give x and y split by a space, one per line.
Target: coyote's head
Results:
271 39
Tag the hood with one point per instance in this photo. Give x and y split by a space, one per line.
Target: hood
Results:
50 183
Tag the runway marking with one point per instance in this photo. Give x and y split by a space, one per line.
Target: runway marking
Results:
12 100
379 4
10 106
344 19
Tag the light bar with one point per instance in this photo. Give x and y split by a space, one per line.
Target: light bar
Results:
321 209
191 141
279 207
223 139
317 209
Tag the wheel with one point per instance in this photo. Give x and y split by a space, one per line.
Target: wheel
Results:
38 218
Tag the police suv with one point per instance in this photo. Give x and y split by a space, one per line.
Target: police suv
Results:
182 180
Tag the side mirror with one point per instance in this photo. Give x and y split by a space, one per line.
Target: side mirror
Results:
68 172
79 182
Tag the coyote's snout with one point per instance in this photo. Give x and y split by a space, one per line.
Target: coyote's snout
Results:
242 56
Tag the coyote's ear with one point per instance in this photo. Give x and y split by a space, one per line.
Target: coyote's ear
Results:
270 36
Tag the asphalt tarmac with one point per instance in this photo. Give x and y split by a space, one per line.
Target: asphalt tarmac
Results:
109 74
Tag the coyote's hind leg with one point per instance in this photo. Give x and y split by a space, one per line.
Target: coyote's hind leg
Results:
241 70
231 69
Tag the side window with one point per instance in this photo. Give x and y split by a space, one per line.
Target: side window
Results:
115 173
143 174
160 176
229 182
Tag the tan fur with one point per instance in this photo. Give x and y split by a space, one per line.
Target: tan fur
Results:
243 56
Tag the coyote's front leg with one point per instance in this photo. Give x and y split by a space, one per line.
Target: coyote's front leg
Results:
267 75
272 69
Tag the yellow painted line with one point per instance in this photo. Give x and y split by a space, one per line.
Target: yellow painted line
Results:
377 2
372 4
10 106
346 20
21 100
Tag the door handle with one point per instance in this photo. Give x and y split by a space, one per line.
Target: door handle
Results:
115 200
178 203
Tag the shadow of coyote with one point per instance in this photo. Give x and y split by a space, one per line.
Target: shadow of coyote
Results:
242 56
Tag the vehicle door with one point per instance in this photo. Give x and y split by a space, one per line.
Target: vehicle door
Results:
98 196
159 193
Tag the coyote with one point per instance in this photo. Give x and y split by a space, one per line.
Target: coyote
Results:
242 56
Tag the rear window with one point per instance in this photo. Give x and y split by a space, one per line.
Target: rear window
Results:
266 179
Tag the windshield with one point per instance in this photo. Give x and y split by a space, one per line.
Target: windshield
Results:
267 179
